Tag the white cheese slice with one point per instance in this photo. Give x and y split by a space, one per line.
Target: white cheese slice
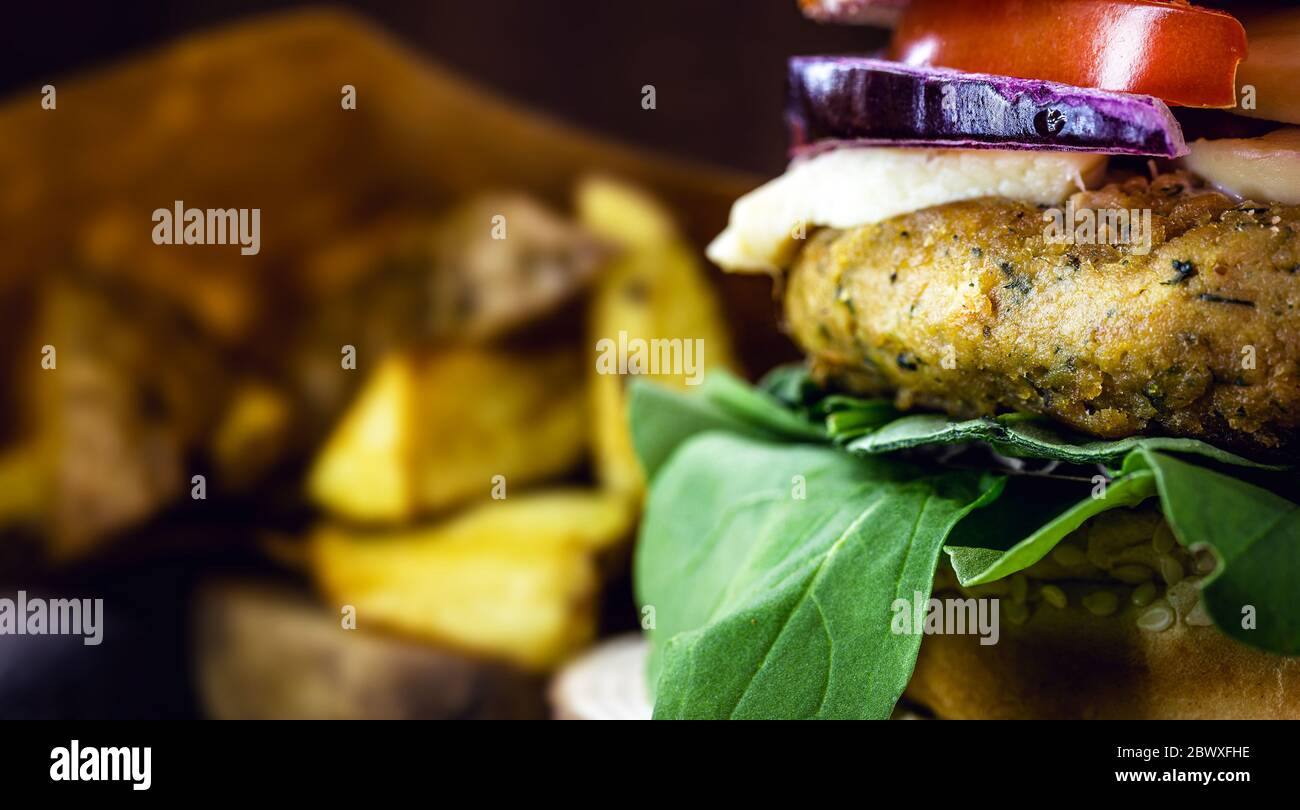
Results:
844 188
1264 169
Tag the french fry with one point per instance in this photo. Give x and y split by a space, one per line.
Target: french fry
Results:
432 430
515 579
657 289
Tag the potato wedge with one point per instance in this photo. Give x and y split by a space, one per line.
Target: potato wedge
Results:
487 269
366 470
514 579
431 430
623 214
657 289
485 413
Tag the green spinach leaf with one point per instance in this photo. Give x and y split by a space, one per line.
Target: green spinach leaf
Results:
772 570
662 418
1028 437
1042 518
875 426
1255 535
772 557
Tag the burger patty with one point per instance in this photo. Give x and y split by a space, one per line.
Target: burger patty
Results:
970 308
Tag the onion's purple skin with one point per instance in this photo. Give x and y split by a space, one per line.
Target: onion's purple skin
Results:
837 101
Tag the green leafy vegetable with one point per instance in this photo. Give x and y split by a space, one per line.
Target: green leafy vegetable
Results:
753 406
1030 438
847 423
792 385
773 569
662 418
769 604
874 426
1256 537
975 558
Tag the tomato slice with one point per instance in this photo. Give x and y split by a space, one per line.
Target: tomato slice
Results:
1176 52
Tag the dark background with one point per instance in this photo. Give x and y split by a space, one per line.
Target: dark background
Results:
717 65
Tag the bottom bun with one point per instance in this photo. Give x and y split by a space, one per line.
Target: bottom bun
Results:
1070 664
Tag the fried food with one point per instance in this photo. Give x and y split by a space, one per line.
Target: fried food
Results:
488 268
970 308
514 579
623 214
656 289
431 430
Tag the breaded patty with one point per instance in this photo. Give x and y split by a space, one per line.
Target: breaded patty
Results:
968 308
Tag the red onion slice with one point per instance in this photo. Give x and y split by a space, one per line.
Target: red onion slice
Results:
839 101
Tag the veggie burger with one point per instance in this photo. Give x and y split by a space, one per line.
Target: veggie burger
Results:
1044 259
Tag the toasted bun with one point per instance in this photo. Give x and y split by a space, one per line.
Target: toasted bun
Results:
1069 664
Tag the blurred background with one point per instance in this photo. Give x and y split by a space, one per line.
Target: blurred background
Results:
718 64
369 471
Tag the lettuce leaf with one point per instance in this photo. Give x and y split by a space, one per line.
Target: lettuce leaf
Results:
773 605
772 569
872 426
1021 437
976 562
663 418
1255 536
1253 533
